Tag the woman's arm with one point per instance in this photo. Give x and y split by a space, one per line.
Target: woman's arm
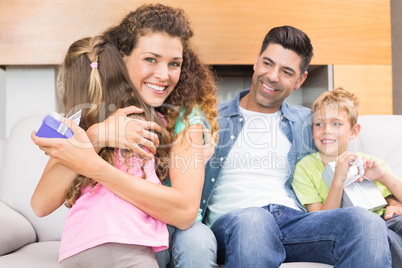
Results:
177 205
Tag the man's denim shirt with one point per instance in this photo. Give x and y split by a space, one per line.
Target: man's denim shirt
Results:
295 124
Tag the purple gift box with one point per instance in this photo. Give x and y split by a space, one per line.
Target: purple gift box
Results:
53 128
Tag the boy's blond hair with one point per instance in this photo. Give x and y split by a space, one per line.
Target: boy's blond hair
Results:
340 97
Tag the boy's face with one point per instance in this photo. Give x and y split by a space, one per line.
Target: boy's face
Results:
332 131
276 74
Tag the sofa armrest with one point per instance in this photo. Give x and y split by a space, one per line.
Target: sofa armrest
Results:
15 230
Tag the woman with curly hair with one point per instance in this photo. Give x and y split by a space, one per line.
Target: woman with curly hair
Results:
154 42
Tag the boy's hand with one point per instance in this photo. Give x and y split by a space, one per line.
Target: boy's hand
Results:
394 208
343 165
372 170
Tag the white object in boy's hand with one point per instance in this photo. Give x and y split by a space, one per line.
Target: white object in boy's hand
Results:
355 171
363 194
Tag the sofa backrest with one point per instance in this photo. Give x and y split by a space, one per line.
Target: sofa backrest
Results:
23 164
380 136
2 145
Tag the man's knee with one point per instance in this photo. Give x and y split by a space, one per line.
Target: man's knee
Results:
366 225
247 223
367 221
252 216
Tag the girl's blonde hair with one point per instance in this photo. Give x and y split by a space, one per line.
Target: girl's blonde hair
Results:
340 97
196 86
94 78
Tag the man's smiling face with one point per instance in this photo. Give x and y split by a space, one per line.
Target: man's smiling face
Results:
276 74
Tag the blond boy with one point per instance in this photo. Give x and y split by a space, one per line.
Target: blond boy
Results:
334 122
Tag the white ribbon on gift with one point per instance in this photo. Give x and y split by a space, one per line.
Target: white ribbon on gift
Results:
63 128
356 171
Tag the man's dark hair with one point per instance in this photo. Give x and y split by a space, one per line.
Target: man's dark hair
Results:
293 39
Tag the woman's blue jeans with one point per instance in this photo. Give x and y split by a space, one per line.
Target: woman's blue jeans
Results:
194 247
269 236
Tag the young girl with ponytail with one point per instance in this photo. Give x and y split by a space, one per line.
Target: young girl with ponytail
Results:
94 79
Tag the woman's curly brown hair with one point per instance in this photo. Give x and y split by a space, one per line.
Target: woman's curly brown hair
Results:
98 92
196 86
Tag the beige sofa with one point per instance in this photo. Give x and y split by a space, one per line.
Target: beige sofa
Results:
29 241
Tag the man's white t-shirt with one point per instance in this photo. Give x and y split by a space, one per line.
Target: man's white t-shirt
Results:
256 169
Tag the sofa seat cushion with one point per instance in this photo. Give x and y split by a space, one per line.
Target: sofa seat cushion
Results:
35 255
15 230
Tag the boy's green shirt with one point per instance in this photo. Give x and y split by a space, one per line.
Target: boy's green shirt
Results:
310 187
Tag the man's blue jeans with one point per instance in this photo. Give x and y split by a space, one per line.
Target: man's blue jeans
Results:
395 231
269 236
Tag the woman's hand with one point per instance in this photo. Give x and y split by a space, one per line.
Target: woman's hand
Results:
121 131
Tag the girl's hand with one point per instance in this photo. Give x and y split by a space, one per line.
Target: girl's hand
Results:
343 165
121 131
74 153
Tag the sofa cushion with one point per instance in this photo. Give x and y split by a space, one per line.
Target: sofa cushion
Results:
35 255
23 164
15 230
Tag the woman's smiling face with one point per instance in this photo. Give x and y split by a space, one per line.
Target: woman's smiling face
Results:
154 66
